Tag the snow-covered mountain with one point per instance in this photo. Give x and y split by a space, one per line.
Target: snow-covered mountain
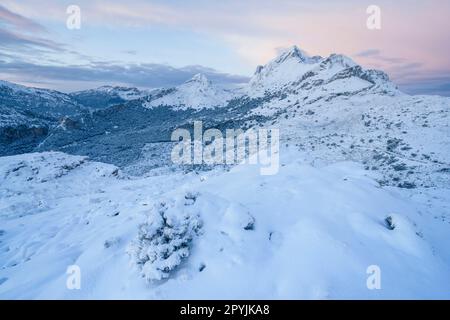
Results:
294 71
107 96
285 69
196 93
28 114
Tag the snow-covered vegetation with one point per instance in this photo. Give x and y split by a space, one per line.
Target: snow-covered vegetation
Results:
164 241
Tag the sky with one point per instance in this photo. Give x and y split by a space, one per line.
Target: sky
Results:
165 42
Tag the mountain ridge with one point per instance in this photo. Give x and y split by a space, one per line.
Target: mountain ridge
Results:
324 106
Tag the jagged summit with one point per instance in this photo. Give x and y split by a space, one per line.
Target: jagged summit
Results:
292 52
338 60
199 78
198 82
296 54
294 70
287 67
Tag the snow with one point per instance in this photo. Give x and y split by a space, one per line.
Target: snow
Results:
48 94
15 87
361 127
126 93
10 117
196 93
294 72
284 69
307 232
164 240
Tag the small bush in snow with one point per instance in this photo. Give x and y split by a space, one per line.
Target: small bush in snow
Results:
164 241
390 224
250 223
111 242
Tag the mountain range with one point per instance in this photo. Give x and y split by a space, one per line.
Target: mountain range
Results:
329 107
87 182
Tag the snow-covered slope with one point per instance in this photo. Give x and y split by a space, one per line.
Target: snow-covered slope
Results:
196 93
107 96
406 138
28 114
42 102
304 233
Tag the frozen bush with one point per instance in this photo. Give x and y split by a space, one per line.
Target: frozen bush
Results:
390 224
164 240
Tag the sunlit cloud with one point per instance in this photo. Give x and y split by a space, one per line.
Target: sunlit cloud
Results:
13 20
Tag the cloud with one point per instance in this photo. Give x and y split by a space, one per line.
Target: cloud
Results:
411 77
264 25
436 83
19 34
376 55
10 18
368 53
28 43
410 41
130 52
140 75
14 41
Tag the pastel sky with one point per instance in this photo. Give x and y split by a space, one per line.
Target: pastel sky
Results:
164 42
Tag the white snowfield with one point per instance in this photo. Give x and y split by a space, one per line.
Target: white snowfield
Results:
197 93
307 232
125 93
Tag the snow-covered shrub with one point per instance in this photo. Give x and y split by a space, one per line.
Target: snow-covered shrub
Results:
390 224
164 240
111 242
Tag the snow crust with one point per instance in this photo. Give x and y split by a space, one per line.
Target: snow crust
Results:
307 232
196 93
